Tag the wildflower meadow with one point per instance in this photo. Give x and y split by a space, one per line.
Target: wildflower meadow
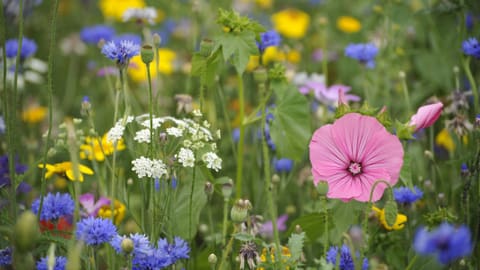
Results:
240 134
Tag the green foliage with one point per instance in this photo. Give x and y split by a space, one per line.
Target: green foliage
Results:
237 47
232 21
206 67
295 244
391 211
290 129
313 225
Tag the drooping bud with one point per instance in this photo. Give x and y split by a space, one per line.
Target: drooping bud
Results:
239 212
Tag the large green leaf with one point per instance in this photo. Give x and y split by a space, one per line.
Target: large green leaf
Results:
312 224
181 218
237 47
206 67
290 129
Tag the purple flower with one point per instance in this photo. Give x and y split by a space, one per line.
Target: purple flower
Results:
132 37
29 47
446 242
283 165
54 206
60 263
90 207
95 231
5 256
93 34
268 39
406 195
164 255
121 52
471 47
5 174
365 53
346 260
267 227
328 96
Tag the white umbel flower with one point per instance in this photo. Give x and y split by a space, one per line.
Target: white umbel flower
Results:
186 157
212 161
145 167
142 136
115 133
174 131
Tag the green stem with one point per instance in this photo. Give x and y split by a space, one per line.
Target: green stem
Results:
227 251
325 55
241 140
225 221
412 262
325 211
268 178
53 28
191 205
466 66
405 92
151 146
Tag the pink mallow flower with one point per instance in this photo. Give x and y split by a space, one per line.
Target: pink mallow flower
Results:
426 116
90 207
352 154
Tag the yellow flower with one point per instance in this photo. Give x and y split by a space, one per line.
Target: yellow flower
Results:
93 148
272 54
399 222
348 24
138 71
291 23
285 255
34 114
115 8
445 140
294 56
65 169
264 3
118 211
253 62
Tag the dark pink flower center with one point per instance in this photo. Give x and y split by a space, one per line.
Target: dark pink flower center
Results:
355 168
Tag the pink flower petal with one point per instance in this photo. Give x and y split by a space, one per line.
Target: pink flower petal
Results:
358 140
426 116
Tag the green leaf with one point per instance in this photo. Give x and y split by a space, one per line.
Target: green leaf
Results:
181 217
312 224
206 67
244 237
295 244
406 171
290 129
237 47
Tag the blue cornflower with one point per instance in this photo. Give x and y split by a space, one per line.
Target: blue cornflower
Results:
29 47
60 263
93 34
95 231
283 165
174 252
365 53
132 37
141 245
236 135
406 195
464 169
268 39
5 174
446 242
55 206
5 256
471 47
121 52
346 260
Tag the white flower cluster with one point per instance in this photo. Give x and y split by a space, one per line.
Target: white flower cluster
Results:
142 136
116 132
174 131
152 168
186 157
212 161
148 14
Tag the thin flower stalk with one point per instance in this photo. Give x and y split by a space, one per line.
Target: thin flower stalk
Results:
241 140
53 29
471 80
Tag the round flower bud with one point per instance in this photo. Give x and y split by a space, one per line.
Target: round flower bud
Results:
147 54
206 47
322 188
227 189
260 75
212 259
157 39
127 245
239 211
26 232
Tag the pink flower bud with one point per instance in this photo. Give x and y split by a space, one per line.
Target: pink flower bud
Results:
426 116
